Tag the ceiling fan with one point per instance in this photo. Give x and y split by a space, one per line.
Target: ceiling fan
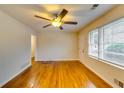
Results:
57 21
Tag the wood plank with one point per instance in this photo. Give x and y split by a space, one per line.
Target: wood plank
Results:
57 74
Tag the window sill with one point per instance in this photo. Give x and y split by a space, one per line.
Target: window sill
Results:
107 62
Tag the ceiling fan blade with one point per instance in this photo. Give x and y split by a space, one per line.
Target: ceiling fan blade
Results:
69 22
46 25
42 17
61 28
63 13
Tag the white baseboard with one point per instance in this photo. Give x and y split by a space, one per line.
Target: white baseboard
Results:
61 60
1 85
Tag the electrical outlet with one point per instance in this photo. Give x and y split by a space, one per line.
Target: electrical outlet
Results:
83 51
119 83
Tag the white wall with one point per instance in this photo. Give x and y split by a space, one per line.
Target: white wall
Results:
15 47
57 45
106 71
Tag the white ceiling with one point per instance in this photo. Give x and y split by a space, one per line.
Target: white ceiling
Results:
77 12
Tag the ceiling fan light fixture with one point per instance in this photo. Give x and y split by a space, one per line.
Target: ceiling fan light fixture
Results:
56 22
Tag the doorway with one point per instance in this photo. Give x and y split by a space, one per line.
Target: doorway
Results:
33 47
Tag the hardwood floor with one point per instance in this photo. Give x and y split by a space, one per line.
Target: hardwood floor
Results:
57 75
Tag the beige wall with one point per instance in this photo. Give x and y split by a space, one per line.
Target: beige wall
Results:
106 71
57 45
15 47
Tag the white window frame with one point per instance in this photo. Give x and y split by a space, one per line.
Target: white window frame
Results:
99 45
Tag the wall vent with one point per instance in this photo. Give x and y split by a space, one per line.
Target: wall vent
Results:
119 83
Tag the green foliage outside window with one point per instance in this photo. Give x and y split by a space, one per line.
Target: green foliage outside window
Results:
117 47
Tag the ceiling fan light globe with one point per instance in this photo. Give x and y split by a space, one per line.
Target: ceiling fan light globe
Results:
56 24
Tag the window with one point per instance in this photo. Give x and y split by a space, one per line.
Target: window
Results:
93 43
108 42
